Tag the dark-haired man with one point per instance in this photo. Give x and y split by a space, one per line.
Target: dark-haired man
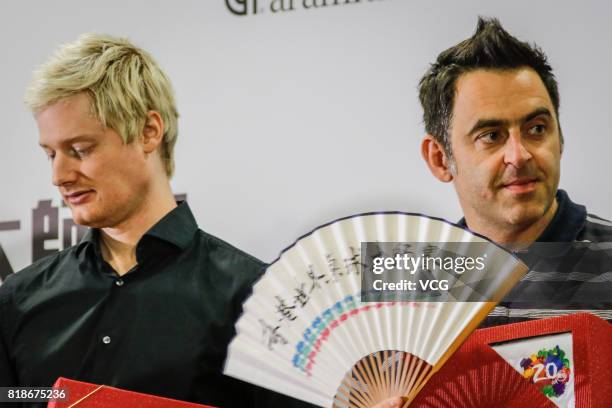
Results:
491 113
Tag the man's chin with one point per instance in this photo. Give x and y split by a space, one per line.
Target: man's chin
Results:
525 208
524 214
87 219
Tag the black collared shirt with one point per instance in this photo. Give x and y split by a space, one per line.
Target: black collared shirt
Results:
570 269
162 328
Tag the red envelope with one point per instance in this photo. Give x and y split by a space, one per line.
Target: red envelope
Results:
87 395
477 376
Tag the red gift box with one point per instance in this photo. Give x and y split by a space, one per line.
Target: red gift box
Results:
87 395
477 376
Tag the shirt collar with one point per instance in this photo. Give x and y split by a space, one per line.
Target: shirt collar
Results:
177 228
566 224
88 240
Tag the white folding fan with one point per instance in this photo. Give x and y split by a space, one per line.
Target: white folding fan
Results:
306 333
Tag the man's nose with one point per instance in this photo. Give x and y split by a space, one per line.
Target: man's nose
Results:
515 151
64 171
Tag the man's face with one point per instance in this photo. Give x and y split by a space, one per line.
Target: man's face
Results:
101 179
506 146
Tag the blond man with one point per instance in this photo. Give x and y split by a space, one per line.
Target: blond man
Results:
146 301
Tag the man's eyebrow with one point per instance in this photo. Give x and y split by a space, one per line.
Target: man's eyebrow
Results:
79 138
537 112
492 122
487 123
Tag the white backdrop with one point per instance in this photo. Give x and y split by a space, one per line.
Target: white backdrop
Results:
294 118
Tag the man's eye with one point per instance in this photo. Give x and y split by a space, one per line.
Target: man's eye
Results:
80 152
537 129
50 155
489 137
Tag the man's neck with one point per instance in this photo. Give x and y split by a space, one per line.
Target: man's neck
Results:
514 236
118 243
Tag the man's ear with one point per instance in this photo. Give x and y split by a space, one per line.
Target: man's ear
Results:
434 155
153 132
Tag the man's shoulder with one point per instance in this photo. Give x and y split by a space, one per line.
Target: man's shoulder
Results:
221 251
232 271
37 273
596 229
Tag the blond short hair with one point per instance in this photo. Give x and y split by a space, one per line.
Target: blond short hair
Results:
123 81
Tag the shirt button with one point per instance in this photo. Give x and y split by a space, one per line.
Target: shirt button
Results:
119 282
106 340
